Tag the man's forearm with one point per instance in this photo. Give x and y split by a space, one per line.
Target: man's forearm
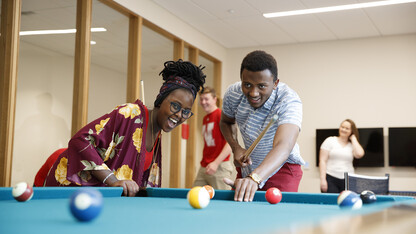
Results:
229 131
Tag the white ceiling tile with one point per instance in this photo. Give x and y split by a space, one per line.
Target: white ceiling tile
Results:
398 19
304 28
185 10
261 30
226 35
40 5
51 19
349 24
267 6
328 3
221 8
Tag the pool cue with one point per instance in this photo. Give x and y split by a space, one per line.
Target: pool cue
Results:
245 171
253 146
142 86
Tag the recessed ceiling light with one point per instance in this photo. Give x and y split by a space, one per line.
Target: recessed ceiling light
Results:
336 8
59 31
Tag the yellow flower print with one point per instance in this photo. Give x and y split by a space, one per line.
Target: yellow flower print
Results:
110 150
124 173
137 138
60 172
100 127
125 111
102 167
130 110
135 110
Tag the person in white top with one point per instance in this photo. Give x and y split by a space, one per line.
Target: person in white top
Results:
336 156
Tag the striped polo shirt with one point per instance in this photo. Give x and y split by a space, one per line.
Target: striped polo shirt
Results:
284 102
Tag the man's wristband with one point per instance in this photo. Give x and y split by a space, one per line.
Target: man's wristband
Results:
255 177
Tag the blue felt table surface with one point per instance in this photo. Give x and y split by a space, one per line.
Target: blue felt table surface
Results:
168 211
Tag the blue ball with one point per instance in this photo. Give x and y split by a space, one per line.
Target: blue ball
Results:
86 204
349 199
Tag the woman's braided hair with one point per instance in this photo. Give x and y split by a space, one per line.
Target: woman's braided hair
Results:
187 71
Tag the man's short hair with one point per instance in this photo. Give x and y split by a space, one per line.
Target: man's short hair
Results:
210 90
259 60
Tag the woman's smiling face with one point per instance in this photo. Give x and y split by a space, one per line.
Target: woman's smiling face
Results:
345 129
168 120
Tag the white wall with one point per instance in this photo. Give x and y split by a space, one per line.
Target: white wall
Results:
43 109
372 81
107 89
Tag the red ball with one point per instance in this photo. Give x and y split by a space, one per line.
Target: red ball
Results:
22 192
273 195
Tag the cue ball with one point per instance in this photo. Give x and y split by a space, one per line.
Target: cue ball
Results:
273 195
198 197
368 196
349 199
86 204
210 190
22 192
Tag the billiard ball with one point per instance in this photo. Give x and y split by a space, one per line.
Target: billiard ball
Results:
368 196
210 190
273 195
86 204
198 197
22 192
349 199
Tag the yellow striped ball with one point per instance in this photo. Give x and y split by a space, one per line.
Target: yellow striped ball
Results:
198 197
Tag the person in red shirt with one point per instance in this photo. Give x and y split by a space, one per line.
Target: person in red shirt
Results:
215 163
44 170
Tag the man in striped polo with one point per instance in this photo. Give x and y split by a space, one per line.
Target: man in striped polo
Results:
251 104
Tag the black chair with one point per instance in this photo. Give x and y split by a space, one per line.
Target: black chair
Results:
358 183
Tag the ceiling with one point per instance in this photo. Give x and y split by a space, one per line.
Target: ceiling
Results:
240 23
232 23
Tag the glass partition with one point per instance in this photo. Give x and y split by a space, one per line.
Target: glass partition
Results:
108 69
156 50
44 85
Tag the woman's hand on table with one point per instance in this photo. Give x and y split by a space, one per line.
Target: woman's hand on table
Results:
130 187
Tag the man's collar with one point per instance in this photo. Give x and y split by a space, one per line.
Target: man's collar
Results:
269 103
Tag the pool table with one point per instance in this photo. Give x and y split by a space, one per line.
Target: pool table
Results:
160 210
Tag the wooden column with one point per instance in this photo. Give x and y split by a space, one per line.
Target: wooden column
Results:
134 59
217 82
81 65
175 148
9 51
192 122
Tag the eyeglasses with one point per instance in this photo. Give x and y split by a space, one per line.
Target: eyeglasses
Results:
176 107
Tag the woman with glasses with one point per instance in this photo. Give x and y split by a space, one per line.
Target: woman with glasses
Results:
122 148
